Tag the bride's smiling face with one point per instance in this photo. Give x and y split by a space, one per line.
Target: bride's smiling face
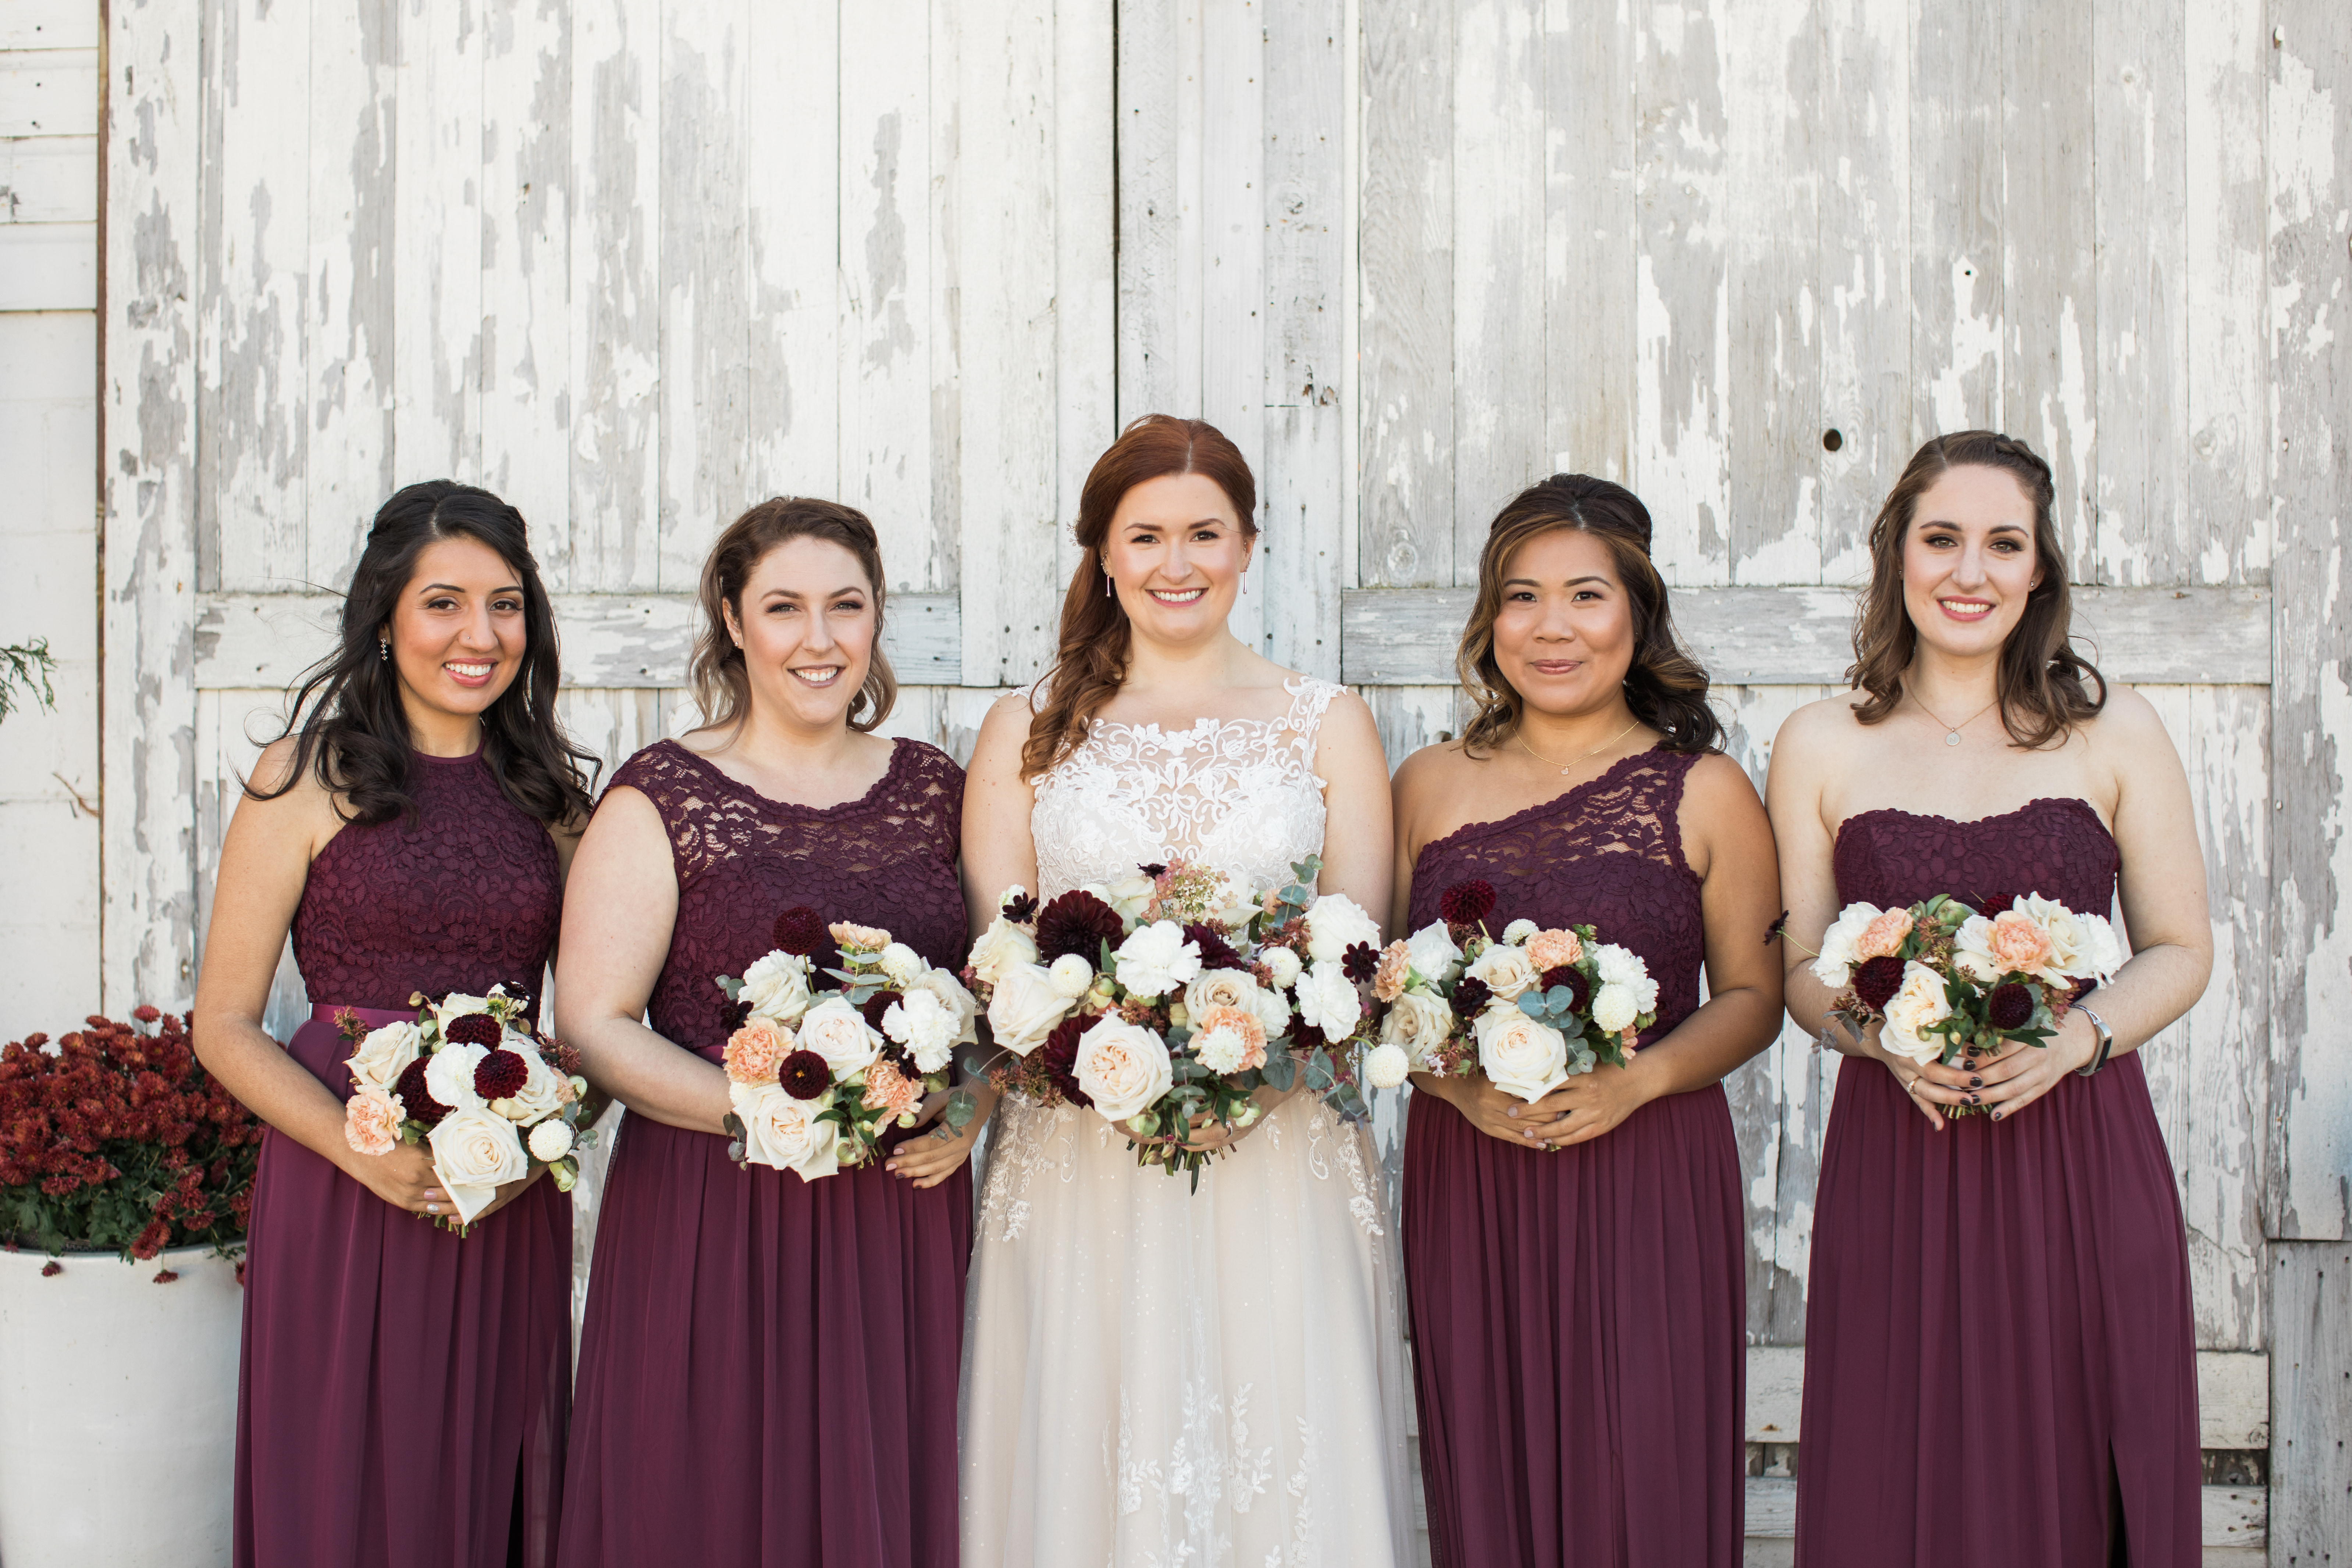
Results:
1175 554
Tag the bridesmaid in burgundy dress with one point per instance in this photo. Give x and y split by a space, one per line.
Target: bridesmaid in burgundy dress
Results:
2000 1362
1577 1266
768 1369
402 1389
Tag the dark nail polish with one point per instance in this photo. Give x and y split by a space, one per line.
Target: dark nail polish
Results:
1996 1116
1976 1083
1974 1099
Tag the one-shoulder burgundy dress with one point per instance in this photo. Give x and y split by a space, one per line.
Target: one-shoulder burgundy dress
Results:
403 1391
2000 1354
1579 1317
768 1368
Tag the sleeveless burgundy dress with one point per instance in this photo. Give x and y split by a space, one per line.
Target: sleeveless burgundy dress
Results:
1579 1317
768 1368
2000 1355
403 1391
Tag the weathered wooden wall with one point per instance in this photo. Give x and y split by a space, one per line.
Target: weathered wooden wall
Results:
634 263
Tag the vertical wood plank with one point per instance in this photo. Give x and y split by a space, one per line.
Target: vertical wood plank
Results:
347 469
527 382
2309 114
1232 235
1956 221
1089 264
154 142
1590 240
436 372
2311 1403
792 189
1157 63
1406 335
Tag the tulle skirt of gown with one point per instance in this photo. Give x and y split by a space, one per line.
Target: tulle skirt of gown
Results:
403 1391
1158 1376
1999 1360
768 1366
1579 1339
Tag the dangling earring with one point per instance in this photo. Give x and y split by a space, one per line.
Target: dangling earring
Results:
384 650
1106 585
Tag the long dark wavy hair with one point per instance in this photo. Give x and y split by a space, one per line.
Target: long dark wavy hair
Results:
721 683
1664 687
349 726
1095 632
2040 681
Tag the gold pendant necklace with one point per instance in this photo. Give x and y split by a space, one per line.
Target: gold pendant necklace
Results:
1570 768
1952 732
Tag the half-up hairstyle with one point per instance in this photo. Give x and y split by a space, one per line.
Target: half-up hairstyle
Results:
349 725
1095 632
2040 681
1664 687
722 686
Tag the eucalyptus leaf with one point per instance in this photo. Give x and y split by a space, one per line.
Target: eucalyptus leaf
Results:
732 986
1281 1070
961 1108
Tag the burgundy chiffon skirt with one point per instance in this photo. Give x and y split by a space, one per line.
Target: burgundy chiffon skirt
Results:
1579 1356
403 1391
768 1369
1999 1360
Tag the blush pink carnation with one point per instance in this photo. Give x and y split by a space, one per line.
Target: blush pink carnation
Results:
2019 943
888 1089
852 938
756 1050
1241 1022
371 1123
1551 949
1883 938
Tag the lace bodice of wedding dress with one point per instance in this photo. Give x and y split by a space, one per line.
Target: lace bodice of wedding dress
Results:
1153 1375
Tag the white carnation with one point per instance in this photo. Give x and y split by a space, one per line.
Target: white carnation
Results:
450 1075
1519 932
551 1140
1220 1050
1283 964
2082 947
1271 1009
1328 1000
955 999
1001 946
1385 1066
1834 966
1336 923
1156 958
1071 975
776 986
1433 954
1623 966
902 963
1614 1009
922 1024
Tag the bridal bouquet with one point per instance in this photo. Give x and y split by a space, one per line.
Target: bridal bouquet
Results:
818 1073
1174 993
1944 976
471 1078
1529 1009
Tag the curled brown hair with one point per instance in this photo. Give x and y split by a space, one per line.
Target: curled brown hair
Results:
1096 633
2038 682
1664 687
722 686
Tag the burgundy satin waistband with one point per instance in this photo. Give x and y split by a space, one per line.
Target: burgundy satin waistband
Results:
374 1018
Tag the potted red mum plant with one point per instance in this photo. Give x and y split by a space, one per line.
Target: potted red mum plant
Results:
126 1172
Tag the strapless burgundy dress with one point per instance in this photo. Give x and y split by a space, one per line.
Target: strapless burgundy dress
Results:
1579 1318
402 1395
2000 1354
768 1368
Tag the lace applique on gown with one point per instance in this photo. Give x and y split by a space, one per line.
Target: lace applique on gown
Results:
1154 1376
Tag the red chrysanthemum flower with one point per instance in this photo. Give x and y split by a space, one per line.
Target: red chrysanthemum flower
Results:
473 1029
804 1075
1878 980
1216 952
2010 1007
801 929
415 1098
1467 903
500 1074
1076 922
1471 996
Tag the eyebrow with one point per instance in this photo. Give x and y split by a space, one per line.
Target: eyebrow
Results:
1196 522
1572 582
796 594
453 588
1996 528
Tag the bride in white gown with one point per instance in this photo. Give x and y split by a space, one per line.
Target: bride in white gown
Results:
1152 1375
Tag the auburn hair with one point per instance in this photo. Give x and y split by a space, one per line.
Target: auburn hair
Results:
2039 680
1096 633
1665 687
721 685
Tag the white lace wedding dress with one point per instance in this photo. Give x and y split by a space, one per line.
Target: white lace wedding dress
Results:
1154 1376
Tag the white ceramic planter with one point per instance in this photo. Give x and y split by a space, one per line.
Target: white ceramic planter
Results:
118 1411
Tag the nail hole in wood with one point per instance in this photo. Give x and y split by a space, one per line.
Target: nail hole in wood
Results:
1831 440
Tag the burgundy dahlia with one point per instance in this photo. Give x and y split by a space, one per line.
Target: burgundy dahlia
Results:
1991 904
2010 1007
1021 910
417 1100
1059 1057
1216 952
804 1075
801 929
1360 962
1877 980
1467 903
1076 922
473 1029
1471 996
874 1006
1578 983
500 1074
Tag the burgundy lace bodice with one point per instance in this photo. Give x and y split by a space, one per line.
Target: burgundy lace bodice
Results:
886 858
1607 854
2056 847
464 898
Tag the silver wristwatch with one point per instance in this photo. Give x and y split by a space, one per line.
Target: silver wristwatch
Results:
2107 1042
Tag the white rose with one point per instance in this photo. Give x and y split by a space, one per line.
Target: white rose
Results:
551 1140
1614 1009
919 1022
542 1093
1001 946
1328 999
1156 958
776 986
1071 977
384 1054
1417 1021
1026 1008
1220 1050
1915 1007
1519 932
1433 954
902 963
1221 988
783 1132
456 1006
1130 894
955 999
1520 1055
2102 952
1834 965
1507 971
1972 950
450 1075
1123 1068
2082 947
1623 966
474 1152
1336 923
1232 906
1386 1064
840 1034
1283 964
